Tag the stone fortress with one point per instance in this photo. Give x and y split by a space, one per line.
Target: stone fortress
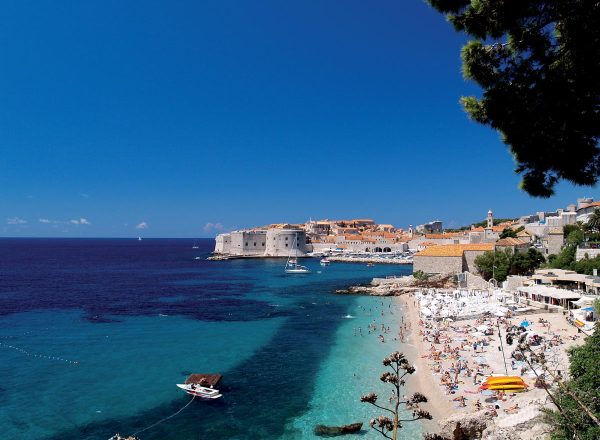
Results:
297 240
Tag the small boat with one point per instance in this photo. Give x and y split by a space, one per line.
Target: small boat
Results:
325 262
370 264
139 238
195 246
199 391
291 265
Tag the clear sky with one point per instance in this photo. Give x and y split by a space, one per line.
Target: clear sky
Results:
186 118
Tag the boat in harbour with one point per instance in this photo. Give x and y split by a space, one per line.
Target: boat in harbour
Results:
291 265
325 262
200 391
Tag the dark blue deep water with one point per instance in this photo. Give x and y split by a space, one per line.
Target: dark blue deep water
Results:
94 333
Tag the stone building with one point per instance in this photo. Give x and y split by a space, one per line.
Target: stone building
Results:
271 242
450 258
553 242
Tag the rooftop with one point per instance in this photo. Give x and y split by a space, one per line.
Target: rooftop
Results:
453 250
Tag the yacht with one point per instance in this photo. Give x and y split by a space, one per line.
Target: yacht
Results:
291 265
325 262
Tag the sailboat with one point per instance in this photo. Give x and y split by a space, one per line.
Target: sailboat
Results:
291 265
195 245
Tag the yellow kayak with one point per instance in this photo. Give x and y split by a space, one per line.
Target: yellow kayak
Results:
505 387
503 379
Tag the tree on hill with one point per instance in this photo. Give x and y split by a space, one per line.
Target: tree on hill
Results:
537 63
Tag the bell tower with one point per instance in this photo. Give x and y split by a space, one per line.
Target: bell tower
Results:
490 219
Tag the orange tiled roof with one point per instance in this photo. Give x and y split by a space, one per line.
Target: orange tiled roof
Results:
353 237
510 241
453 250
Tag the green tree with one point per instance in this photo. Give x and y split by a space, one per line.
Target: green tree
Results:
593 223
526 263
537 63
579 398
494 264
508 232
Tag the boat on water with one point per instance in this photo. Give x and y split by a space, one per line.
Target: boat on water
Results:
139 238
291 265
195 246
200 391
325 262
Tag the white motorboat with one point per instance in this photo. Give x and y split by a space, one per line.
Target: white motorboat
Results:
325 262
199 391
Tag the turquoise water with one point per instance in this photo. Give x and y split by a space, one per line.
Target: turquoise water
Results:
95 334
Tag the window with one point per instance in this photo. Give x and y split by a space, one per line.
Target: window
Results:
286 239
263 244
254 244
246 243
286 245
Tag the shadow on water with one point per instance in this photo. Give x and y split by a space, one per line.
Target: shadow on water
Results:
260 395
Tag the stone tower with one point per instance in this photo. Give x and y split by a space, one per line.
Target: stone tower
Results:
490 219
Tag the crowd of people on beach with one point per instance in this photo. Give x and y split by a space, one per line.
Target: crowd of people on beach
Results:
458 352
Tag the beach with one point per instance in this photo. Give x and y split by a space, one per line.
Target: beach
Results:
450 370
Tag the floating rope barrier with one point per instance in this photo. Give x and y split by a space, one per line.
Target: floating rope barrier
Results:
165 419
38 355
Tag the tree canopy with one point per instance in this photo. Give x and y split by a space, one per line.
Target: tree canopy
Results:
538 63
500 264
584 382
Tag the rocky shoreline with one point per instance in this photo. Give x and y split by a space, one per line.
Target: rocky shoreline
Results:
400 285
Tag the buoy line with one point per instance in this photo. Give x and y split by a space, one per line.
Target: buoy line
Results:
165 419
38 355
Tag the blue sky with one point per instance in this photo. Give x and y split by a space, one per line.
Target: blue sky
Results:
190 117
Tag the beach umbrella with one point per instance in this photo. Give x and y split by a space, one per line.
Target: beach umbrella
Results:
524 323
481 360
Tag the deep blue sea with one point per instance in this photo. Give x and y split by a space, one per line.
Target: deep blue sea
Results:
95 333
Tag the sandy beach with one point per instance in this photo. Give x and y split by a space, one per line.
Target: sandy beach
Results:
450 370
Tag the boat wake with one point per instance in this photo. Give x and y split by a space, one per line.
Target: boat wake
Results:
349 317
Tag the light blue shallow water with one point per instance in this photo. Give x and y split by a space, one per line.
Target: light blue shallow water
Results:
138 317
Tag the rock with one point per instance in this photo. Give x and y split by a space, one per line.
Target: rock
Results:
465 426
330 431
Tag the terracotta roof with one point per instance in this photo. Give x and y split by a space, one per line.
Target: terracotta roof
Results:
510 241
453 250
353 237
443 235
428 243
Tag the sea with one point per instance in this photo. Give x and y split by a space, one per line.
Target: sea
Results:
95 333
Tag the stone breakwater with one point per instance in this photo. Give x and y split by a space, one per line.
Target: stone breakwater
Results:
400 285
